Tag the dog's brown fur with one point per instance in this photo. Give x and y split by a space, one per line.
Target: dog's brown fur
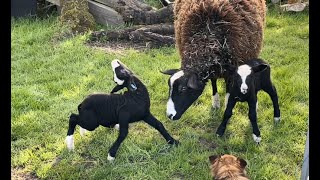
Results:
228 167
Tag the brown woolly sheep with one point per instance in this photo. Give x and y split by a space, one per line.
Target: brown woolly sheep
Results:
209 34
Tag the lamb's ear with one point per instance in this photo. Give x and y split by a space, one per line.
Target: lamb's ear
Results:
229 68
242 162
132 85
213 158
169 71
194 82
259 68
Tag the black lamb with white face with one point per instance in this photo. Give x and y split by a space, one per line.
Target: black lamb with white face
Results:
244 83
116 110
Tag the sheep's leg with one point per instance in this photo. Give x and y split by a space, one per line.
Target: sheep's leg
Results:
253 119
215 94
226 116
123 132
152 121
226 98
272 91
73 121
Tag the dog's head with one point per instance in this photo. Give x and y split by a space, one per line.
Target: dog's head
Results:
227 165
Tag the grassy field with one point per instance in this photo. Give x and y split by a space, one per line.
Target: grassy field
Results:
50 78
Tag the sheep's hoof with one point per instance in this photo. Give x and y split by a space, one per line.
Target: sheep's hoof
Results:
276 120
110 158
256 139
220 132
70 142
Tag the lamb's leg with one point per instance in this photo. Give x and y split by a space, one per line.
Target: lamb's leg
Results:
117 88
253 119
226 116
123 132
152 121
73 121
272 91
226 98
215 95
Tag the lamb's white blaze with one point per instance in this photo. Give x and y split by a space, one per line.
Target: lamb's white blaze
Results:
244 71
70 142
170 105
115 64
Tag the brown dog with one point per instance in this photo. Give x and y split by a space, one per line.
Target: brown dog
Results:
228 167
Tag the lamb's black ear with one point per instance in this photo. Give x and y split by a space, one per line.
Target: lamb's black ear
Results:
242 162
194 82
169 71
229 68
132 85
259 68
213 158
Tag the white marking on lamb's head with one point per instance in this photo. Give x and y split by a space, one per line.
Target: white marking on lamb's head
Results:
244 71
116 63
184 89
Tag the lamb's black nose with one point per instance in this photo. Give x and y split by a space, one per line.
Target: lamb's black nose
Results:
170 116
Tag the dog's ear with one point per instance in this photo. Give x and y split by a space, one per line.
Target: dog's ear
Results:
242 162
213 158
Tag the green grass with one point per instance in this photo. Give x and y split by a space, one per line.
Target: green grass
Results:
49 79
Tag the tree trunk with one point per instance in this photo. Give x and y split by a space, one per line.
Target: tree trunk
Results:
150 25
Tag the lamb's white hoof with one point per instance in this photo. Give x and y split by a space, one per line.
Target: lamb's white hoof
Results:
70 142
256 138
276 119
110 158
117 127
216 101
82 131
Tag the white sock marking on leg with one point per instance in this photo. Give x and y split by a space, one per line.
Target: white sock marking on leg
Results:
117 127
276 119
110 158
226 100
82 131
256 138
216 101
70 142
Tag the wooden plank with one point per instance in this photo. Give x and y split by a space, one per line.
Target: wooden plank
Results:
104 14
56 2
110 3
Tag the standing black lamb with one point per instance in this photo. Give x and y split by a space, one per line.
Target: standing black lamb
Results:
110 110
245 82
210 33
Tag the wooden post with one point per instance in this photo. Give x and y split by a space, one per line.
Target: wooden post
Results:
305 165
